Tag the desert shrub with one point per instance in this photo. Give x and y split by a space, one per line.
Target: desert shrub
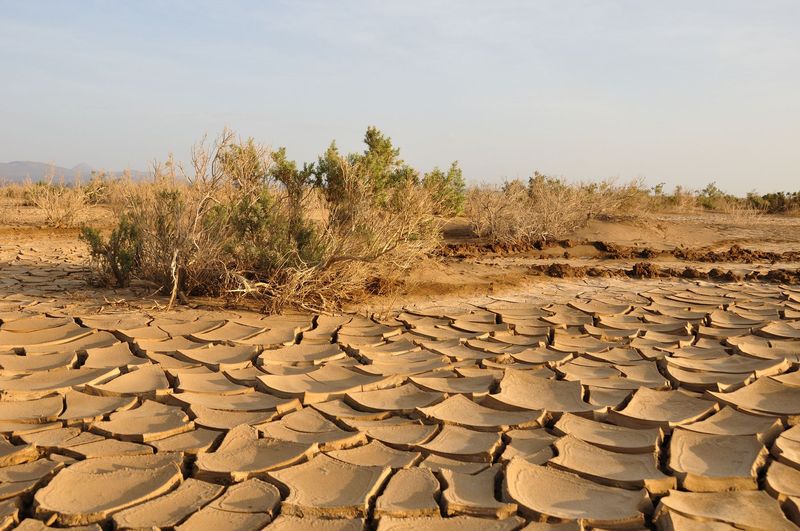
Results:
712 198
546 208
518 214
11 195
369 238
380 161
608 200
118 257
297 186
680 200
554 208
371 221
176 222
60 203
96 190
775 202
634 197
447 189
741 212
247 222
12 190
489 211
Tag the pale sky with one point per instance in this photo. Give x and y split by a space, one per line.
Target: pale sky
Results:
684 92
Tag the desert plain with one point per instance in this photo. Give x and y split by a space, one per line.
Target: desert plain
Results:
633 376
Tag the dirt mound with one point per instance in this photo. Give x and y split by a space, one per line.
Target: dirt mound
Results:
651 270
735 253
645 270
612 251
477 248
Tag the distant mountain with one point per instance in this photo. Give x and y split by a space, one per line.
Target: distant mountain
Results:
83 168
20 170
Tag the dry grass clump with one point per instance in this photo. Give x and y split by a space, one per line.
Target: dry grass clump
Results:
547 208
248 222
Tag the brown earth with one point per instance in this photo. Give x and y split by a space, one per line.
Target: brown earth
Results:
716 246
608 381
706 245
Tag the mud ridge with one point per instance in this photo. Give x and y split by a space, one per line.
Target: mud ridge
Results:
735 253
651 270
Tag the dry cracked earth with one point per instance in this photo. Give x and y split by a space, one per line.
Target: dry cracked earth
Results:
613 404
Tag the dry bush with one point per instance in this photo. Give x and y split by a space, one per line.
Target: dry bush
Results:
713 199
492 211
742 213
365 251
554 208
111 193
680 200
6 211
787 203
248 222
447 188
56 202
610 201
166 232
11 197
60 203
12 191
516 214
549 208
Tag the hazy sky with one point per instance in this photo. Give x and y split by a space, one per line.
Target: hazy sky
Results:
682 91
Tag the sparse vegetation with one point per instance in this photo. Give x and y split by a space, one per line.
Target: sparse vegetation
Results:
711 198
245 221
118 257
448 189
550 208
546 207
60 203
242 222
776 203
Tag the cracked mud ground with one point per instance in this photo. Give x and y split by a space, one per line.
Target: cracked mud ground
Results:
662 404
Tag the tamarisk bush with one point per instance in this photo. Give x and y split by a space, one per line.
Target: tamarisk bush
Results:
247 221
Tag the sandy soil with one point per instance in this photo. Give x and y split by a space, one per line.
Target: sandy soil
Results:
470 267
609 381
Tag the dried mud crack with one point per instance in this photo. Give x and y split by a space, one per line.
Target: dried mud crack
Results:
668 401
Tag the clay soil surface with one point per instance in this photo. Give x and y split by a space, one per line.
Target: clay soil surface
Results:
637 375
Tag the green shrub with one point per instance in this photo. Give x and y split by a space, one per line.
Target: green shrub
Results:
118 257
447 189
380 164
775 202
